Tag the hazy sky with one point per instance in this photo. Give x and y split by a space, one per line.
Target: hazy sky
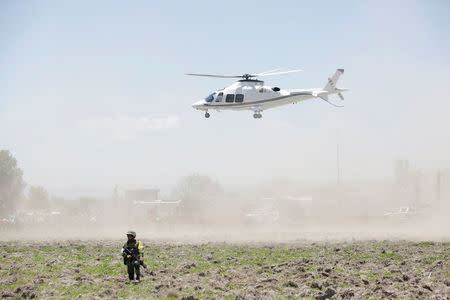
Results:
92 93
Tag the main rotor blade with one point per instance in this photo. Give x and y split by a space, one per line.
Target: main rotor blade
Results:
213 75
270 71
245 76
278 73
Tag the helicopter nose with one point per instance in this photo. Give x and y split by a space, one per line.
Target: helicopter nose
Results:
197 104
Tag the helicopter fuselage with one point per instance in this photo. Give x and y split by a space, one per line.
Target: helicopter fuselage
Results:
251 95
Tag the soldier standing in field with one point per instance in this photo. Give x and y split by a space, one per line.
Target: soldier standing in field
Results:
136 258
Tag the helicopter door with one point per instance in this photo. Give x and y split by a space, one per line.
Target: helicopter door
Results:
239 97
219 97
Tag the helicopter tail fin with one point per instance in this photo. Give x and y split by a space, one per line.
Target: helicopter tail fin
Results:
331 84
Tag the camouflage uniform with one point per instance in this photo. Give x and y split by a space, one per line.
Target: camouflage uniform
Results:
134 246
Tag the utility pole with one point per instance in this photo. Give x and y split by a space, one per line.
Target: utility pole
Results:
338 164
438 189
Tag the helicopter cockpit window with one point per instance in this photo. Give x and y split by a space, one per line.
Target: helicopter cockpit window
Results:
219 97
239 98
229 98
210 98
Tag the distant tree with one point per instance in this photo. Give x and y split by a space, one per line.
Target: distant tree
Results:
38 198
11 182
194 191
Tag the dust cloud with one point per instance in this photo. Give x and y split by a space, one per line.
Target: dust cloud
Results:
412 206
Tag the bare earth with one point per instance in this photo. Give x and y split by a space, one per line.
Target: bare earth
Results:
363 269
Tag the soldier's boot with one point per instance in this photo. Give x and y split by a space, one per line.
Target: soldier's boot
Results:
138 273
131 276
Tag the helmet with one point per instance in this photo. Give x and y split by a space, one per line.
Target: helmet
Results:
131 233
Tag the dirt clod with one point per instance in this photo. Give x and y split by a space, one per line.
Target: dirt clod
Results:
329 292
347 294
188 266
7 294
189 298
172 293
447 282
316 285
26 291
427 287
388 294
291 284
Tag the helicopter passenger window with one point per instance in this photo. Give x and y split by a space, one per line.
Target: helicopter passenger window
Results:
229 98
219 97
239 98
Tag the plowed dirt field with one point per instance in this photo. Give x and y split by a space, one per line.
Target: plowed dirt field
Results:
94 269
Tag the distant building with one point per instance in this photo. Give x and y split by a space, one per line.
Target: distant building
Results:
442 190
420 190
156 211
141 195
147 207
402 173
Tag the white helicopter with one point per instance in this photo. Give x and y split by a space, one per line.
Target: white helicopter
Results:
250 93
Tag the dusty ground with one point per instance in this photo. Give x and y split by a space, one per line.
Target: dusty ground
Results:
89 269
